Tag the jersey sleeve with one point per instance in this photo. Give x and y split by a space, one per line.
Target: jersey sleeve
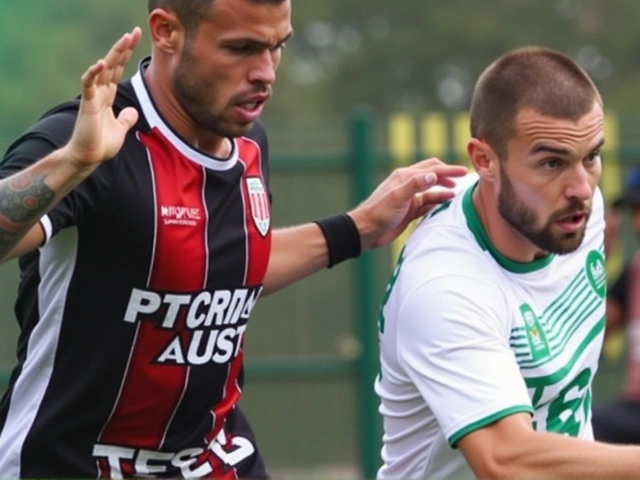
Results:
46 136
453 343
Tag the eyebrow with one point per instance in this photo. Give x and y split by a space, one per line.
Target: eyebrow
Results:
559 150
259 43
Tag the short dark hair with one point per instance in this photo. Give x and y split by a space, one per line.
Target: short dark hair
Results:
530 77
192 12
189 12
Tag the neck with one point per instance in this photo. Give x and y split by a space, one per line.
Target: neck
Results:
508 241
178 119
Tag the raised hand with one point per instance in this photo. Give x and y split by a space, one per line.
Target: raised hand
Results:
98 134
403 196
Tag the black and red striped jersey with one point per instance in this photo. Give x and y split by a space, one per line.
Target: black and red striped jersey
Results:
132 313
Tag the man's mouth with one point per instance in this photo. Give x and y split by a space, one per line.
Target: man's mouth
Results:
573 222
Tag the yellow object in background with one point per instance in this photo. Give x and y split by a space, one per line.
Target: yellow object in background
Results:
402 146
613 348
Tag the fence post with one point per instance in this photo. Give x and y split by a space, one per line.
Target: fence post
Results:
362 168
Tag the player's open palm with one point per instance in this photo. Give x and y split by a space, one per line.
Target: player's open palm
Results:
98 134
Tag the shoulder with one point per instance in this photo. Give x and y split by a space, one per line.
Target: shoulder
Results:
443 267
443 244
598 204
594 235
49 133
434 310
442 259
57 123
258 134
255 141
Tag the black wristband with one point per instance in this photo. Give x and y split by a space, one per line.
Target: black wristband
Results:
343 238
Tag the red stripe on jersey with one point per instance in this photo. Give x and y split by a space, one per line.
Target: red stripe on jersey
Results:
231 396
220 470
104 471
151 392
258 249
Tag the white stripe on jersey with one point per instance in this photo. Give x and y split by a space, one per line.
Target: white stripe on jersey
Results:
57 263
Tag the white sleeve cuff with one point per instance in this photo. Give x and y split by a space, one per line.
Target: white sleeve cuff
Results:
47 227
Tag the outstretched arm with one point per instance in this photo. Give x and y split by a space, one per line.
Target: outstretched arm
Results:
97 136
403 196
510 448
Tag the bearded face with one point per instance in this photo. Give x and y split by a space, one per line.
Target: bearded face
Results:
544 233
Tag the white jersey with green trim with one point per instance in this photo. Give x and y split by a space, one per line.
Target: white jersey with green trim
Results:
468 336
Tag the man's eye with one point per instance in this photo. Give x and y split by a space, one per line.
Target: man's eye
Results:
594 155
239 48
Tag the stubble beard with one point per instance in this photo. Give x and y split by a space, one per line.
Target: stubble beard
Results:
524 219
197 97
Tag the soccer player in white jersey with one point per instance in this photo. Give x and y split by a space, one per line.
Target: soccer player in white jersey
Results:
492 323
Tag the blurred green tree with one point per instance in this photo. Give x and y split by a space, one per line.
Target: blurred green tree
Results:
404 55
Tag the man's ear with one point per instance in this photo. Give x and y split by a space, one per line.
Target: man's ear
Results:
483 158
166 31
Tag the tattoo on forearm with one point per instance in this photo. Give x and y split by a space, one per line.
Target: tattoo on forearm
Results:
25 197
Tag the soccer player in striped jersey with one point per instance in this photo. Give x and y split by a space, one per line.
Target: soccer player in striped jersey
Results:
492 324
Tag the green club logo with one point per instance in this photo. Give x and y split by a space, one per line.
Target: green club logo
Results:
596 272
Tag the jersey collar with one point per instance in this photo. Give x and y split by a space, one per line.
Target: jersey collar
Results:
481 236
155 121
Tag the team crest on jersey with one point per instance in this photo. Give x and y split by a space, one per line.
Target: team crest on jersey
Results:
596 272
536 336
259 203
